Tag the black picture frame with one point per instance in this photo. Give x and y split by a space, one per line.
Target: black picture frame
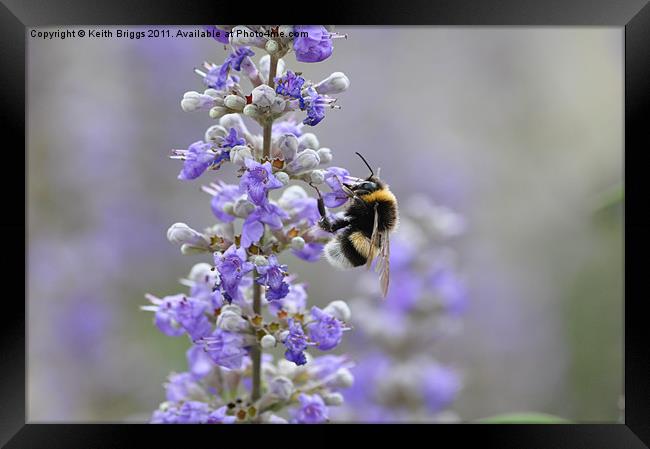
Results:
633 15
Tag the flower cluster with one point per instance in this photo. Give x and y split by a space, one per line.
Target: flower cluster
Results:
243 300
397 376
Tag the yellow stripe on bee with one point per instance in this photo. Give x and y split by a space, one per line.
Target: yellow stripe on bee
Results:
379 195
361 243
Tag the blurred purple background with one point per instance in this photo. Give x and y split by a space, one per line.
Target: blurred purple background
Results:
517 129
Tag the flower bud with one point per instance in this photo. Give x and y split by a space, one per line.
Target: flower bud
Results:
325 155
270 418
234 121
242 35
278 105
214 93
344 378
267 341
287 368
305 160
297 243
339 310
265 63
259 261
188 250
229 208
282 387
263 96
308 140
215 134
288 144
235 102
271 46
239 154
284 335
333 399
282 177
250 110
243 208
336 83
291 194
230 319
180 233
193 101
200 271
317 176
218 111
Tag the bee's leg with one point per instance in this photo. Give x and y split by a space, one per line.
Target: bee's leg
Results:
324 223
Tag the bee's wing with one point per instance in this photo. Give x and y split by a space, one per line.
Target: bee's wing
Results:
383 263
380 240
374 239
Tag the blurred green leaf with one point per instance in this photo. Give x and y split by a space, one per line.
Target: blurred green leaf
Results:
523 418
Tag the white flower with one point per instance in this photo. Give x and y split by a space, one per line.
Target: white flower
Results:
336 83
242 35
308 140
200 271
291 194
239 154
282 177
263 96
268 341
288 144
180 233
215 133
305 160
325 155
235 102
297 243
333 399
230 319
282 387
218 111
243 208
339 309
317 176
193 101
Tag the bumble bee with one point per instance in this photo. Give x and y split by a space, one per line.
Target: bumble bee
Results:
370 216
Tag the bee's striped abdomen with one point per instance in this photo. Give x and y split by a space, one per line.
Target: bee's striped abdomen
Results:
342 252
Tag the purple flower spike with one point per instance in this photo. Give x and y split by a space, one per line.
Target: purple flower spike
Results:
311 252
226 193
225 348
232 266
232 140
334 178
258 180
253 226
178 314
272 276
219 417
316 47
217 77
296 343
441 385
326 331
218 34
198 158
312 410
289 85
288 126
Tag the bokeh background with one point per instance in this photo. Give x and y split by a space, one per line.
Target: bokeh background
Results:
519 130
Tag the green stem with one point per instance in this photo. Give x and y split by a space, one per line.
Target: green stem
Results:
256 352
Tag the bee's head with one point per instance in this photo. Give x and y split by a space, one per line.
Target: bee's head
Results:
363 187
366 186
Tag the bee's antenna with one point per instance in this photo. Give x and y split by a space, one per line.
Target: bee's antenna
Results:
367 164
